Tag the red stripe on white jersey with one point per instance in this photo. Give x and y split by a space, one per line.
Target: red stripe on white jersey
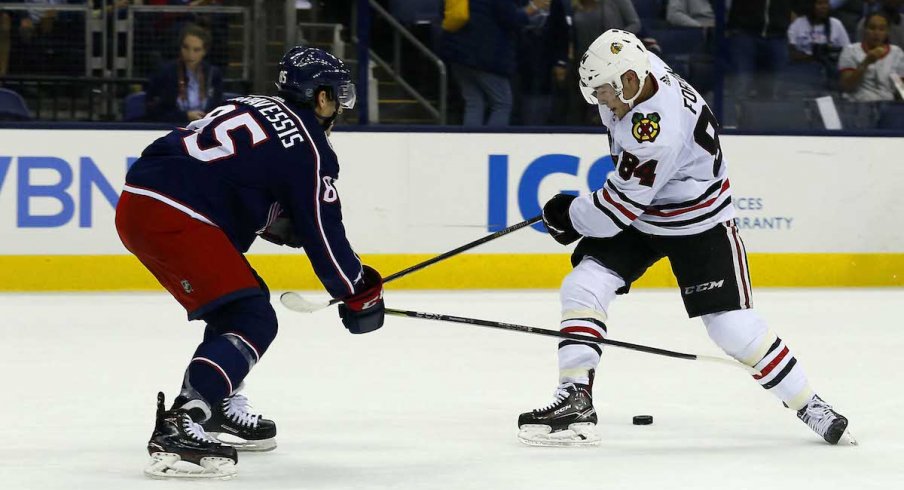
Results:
705 204
619 207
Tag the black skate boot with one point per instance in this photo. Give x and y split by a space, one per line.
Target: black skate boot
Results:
825 421
570 420
233 424
180 448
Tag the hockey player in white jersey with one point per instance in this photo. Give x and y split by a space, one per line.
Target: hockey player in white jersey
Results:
669 197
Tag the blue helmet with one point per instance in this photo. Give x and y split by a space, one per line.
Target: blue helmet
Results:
304 70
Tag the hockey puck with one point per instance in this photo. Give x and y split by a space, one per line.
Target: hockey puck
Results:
643 419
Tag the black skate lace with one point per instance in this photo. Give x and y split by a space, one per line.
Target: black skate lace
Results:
237 408
560 394
819 416
194 430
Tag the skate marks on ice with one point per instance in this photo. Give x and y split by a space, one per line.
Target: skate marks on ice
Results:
420 405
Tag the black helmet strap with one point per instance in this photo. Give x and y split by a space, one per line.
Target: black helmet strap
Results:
293 97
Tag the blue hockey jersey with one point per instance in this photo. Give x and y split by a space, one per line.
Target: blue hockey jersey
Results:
248 162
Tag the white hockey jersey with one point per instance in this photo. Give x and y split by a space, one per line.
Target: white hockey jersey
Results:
670 178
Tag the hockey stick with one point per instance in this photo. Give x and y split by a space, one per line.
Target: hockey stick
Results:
296 302
555 333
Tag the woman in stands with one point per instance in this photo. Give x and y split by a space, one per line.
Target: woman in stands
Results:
871 69
187 88
816 36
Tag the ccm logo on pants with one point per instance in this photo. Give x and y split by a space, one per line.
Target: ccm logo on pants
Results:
703 287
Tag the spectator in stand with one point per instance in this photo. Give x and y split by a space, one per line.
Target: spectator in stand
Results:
12 21
117 8
482 57
850 12
542 66
758 45
816 36
592 18
46 40
40 21
868 68
892 11
150 31
690 13
187 88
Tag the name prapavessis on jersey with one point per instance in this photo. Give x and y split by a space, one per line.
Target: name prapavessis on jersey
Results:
285 126
253 163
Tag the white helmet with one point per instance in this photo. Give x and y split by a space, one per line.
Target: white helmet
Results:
607 59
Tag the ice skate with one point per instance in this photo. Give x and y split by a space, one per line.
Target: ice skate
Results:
233 424
826 422
570 420
180 448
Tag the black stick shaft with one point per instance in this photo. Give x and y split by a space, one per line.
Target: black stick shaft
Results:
463 248
539 331
451 253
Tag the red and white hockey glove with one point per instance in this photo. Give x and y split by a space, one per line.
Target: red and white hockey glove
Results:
364 311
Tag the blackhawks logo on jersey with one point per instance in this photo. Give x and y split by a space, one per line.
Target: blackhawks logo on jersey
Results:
646 127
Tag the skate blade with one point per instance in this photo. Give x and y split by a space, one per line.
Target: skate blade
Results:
577 435
240 444
169 465
847 439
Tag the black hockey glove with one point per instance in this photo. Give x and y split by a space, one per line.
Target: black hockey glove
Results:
364 312
281 232
557 221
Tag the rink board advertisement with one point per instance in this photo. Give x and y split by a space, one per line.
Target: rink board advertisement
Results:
814 211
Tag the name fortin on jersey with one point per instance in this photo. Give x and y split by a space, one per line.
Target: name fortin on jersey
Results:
669 178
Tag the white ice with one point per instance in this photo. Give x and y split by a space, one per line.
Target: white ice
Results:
426 405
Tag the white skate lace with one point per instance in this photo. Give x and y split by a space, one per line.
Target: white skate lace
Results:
560 394
237 409
195 431
819 416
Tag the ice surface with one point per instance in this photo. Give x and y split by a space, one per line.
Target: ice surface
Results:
426 405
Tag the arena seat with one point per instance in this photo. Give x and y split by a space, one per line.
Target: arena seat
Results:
13 107
775 115
411 12
133 107
892 117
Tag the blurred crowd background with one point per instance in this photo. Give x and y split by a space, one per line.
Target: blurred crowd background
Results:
763 65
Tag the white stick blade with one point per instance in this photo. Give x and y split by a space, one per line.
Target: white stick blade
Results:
296 302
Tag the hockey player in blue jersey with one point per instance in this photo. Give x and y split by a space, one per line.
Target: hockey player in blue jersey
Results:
191 207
